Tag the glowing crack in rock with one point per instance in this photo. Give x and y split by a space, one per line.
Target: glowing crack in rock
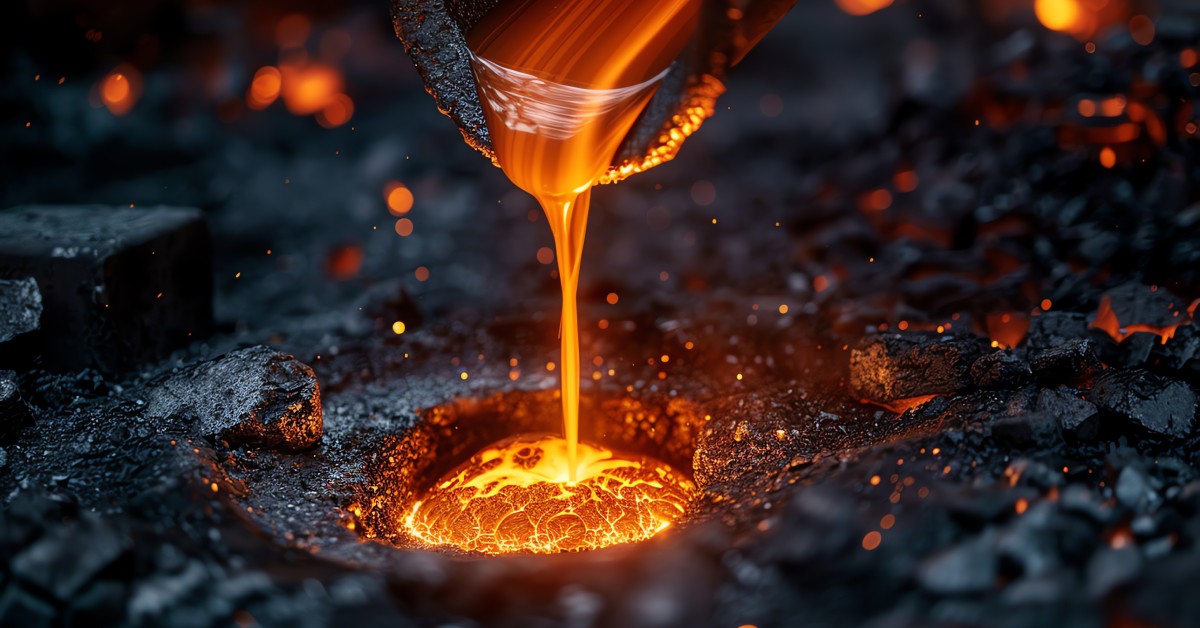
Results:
515 496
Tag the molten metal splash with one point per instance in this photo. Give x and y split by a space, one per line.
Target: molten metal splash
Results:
515 496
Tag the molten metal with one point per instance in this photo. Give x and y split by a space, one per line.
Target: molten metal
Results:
515 496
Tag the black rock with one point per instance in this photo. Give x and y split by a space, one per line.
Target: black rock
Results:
104 603
20 308
1112 568
1027 430
969 567
1077 417
119 286
1070 362
1032 473
895 366
256 397
14 412
68 557
1136 304
1000 369
1137 347
1135 397
1181 349
1135 490
20 608
1053 328
1078 499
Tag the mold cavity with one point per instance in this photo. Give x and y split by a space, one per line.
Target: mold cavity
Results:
460 480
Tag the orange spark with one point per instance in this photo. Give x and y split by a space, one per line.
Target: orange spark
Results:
120 89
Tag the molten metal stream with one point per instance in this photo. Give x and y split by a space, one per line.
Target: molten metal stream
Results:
561 85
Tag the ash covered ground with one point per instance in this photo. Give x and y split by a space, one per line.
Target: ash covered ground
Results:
961 211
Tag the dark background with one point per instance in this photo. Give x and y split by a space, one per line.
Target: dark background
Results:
825 85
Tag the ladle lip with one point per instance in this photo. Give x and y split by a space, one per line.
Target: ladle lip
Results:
612 92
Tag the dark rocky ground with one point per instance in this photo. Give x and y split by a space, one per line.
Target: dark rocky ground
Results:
859 465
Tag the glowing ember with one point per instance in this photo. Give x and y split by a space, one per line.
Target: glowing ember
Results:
515 496
120 90
1007 329
1107 321
863 7
1060 15
900 406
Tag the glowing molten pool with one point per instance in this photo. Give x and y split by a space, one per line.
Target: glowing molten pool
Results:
514 496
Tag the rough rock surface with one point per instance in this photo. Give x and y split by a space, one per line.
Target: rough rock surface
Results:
1077 417
1157 404
1072 362
119 286
895 366
254 397
20 308
1000 369
13 410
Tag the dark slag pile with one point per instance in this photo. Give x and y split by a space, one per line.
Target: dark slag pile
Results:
977 407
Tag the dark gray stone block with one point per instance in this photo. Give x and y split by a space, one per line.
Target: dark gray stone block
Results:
119 286
1142 400
20 308
255 397
895 366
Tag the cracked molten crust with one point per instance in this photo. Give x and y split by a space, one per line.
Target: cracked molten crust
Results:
513 497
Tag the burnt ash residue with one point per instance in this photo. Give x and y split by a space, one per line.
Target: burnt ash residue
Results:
1054 482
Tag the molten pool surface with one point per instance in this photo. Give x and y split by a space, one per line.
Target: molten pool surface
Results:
515 496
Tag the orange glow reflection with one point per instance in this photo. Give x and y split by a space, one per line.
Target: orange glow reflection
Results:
120 89
1082 19
309 89
863 7
1107 321
1007 330
900 406
306 88
264 89
1065 16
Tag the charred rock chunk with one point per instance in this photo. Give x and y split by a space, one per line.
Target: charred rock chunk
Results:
1027 430
1135 489
20 608
20 308
68 557
1077 417
1071 362
119 286
1109 569
1000 369
13 409
969 567
1053 328
903 365
1156 404
1183 348
1136 304
255 397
